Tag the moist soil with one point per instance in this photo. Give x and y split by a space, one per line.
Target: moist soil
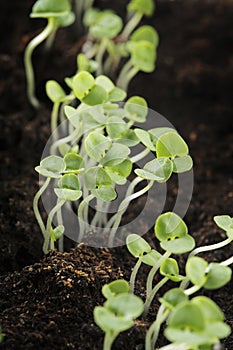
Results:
47 302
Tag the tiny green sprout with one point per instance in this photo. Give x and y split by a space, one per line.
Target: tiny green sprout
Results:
146 33
74 163
114 288
208 276
136 109
225 222
106 25
172 233
69 188
59 14
196 323
117 315
139 8
159 170
170 269
169 301
56 234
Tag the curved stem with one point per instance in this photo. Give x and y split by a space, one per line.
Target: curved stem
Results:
54 119
210 247
125 69
150 297
100 55
140 156
49 224
108 340
149 282
192 290
175 346
81 208
133 275
123 207
61 239
128 77
132 23
153 331
50 39
35 205
28 61
227 262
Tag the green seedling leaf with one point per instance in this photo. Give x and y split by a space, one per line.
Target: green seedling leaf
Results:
91 16
225 222
173 297
105 193
210 309
117 95
143 55
105 82
106 25
115 127
84 64
96 96
73 116
66 20
136 109
69 188
172 233
146 33
196 270
115 155
96 177
51 166
123 169
82 83
109 322
170 269
96 145
217 276
74 163
56 233
114 288
158 170
171 145
145 7
145 138
50 8
55 91
137 245
182 164
151 258
157 132
127 306
128 138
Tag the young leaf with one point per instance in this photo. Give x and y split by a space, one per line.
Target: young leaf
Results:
96 145
145 138
114 288
158 170
115 127
146 33
143 55
173 297
157 132
196 270
182 164
69 188
126 305
83 82
145 7
117 95
51 166
50 8
55 91
137 245
74 163
56 233
171 145
96 177
115 155
170 269
217 276
96 96
109 322
151 258
136 109
105 193
225 222
106 25
105 82
91 16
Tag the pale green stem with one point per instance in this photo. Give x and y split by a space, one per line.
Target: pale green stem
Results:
227 262
153 331
206 248
108 340
175 347
150 297
50 40
122 208
61 239
62 141
129 191
149 282
125 69
132 24
100 55
49 224
81 208
128 77
192 290
133 275
30 76
35 205
54 120
140 156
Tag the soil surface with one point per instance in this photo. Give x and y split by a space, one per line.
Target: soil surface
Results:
47 302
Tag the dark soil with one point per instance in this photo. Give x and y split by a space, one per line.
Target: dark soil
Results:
47 303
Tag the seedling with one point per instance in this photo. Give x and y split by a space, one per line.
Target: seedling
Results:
119 311
58 14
